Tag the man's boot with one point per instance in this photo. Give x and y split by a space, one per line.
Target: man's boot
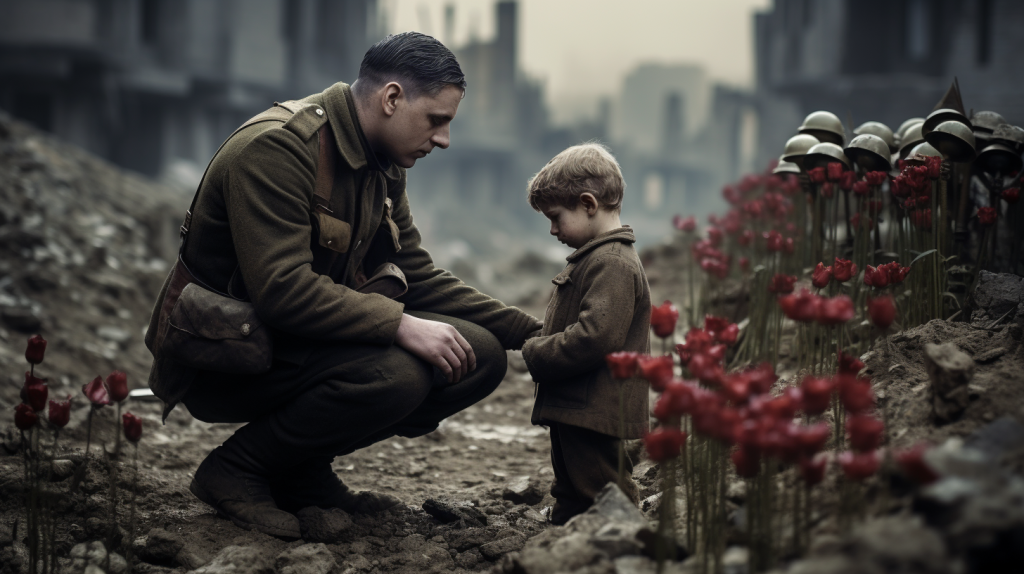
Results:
238 488
316 484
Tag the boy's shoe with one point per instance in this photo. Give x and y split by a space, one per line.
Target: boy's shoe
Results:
317 485
563 511
242 497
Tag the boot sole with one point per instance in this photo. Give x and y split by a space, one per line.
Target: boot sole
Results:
201 494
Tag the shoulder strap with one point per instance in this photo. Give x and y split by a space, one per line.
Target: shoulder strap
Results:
325 170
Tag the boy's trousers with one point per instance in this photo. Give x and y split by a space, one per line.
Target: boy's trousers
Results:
584 462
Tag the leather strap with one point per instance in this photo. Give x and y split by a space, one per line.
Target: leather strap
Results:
324 170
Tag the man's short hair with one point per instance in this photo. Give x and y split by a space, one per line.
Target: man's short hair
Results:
417 61
583 168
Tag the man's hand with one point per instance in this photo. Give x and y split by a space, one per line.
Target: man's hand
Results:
439 344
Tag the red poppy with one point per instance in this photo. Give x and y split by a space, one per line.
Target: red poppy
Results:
855 393
25 417
875 278
934 165
781 284
849 364
859 466
986 216
821 276
817 175
762 377
96 393
732 195
896 272
736 388
813 438
664 443
882 311
729 335
826 190
913 464
784 406
663 319
706 368
60 412
744 264
697 341
812 470
622 364
803 307
865 432
35 392
745 238
843 269
773 240
675 401
35 350
715 236
847 180
132 427
657 370
861 188
1011 195
747 462
875 177
686 225
117 386
835 311
817 395
835 171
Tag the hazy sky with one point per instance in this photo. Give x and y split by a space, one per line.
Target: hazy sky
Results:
581 49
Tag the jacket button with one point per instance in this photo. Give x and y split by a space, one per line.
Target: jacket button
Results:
245 329
319 112
328 242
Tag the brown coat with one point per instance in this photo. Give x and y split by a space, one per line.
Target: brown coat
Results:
252 235
601 305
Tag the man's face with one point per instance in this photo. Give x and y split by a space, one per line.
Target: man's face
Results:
419 124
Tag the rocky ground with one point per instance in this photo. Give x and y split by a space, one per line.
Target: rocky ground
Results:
84 248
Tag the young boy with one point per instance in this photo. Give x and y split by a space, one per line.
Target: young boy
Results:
601 305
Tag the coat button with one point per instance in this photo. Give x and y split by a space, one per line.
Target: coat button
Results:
319 112
245 329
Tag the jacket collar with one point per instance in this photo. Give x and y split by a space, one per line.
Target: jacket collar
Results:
348 134
623 234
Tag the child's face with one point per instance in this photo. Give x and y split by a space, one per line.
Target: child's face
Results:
571 226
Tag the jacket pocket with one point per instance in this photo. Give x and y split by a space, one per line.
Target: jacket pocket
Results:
335 234
569 394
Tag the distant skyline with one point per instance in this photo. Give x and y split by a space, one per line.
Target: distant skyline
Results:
582 49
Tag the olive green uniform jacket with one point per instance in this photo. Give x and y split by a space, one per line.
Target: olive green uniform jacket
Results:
601 305
253 236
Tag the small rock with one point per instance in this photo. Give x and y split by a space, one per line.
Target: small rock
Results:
950 370
462 540
319 525
237 560
469 558
615 506
522 490
358 563
531 514
61 469
989 355
495 550
306 559
448 512
114 334
735 560
21 319
117 564
161 547
998 294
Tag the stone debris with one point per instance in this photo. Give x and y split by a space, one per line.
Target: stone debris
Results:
320 525
950 370
524 490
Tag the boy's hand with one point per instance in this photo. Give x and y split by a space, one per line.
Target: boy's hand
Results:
437 343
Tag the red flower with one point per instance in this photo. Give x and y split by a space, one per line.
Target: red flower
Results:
934 165
835 171
986 216
706 368
96 393
132 427
813 438
675 401
826 190
821 276
817 394
912 462
859 466
816 175
875 177
843 269
781 284
60 412
835 311
36 349
736 388
865 432
812 470
847 180
715 268
664 443
622 364
745 264
729 335
849 364
784 406
762 377
747 462
861 188
663 319
1011 195
789 246
657 370
855 393
896 272
732 195
697 341
24 417
803 307
35 392
882 311
687 225
874 278
715 235
746 238
721 329
117 386
773 240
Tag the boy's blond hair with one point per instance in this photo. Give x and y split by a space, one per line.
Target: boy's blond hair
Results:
580 169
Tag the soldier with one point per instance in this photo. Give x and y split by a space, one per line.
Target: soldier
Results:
351 366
